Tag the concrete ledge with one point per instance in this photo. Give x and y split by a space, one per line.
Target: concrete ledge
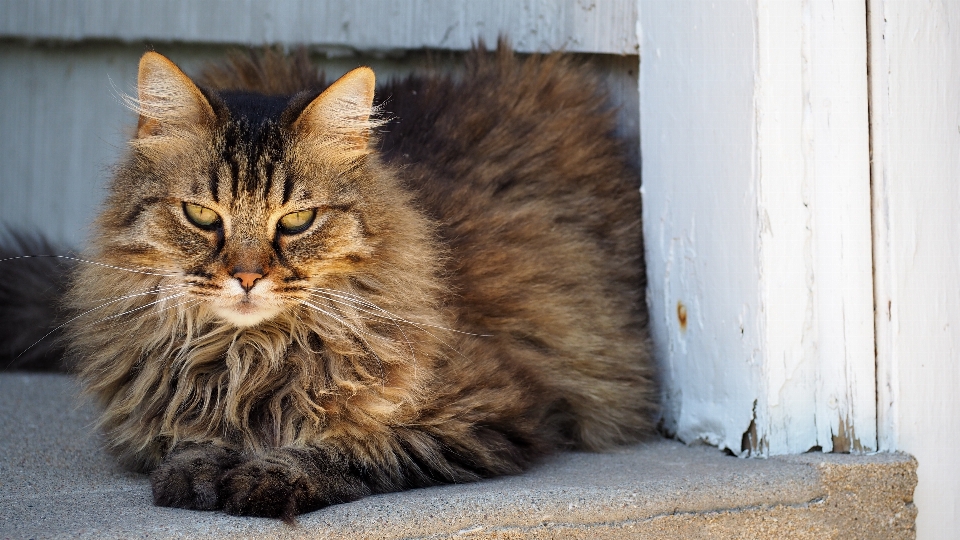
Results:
56 481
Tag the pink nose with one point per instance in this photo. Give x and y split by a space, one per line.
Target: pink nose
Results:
247 279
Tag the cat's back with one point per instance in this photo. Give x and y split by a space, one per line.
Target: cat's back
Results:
508 129
517 161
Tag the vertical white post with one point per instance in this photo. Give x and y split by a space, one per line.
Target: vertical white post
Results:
754 145
915 114
837 340
701 226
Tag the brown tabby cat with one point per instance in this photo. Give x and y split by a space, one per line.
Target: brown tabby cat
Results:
322 301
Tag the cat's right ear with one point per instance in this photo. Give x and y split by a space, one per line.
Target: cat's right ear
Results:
342 115
167 98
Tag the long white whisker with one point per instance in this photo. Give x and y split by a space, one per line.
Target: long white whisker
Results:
87 312
431 334
194 301
359 333
406 339
352 297
144 292
129 311
77 259
337 318
119 298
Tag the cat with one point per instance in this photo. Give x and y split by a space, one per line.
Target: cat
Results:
301 294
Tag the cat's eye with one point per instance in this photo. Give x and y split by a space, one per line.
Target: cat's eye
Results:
296 222
201 216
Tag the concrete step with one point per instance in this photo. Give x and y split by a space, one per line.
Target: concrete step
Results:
56 481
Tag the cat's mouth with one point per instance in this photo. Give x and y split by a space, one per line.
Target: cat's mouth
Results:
246 311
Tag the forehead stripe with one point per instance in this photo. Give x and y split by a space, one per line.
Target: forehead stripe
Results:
214 185
268 176
287 188
234 175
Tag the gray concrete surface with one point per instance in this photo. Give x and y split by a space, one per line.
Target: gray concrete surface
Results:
57 482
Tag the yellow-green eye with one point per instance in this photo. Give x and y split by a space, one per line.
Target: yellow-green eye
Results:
296 222
201 216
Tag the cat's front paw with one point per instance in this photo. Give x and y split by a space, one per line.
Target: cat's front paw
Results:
287 483
264 489
189 477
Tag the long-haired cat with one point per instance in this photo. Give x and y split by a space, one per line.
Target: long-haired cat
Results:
304 296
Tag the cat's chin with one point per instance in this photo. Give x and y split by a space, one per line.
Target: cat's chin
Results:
245 315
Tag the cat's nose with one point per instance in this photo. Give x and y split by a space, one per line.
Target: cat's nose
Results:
247 279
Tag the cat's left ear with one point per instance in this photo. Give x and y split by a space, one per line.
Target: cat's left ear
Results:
343 114
167 98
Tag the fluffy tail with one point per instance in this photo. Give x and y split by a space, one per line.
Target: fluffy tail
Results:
32 284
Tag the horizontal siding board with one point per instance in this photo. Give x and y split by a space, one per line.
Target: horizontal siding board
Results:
589 26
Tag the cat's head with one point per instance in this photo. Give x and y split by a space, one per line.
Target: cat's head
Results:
249 200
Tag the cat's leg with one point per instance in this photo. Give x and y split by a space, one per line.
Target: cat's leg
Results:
466 432
286 482
190 475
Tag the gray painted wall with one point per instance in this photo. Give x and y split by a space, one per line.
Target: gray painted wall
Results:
591 26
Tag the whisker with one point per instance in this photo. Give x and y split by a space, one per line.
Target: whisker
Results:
191 301
116 299
339 319
431 334
406 339
143 292
129 311
349 296
111 316
77 259
87 312
356 332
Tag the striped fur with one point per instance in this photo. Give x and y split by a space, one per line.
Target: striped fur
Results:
467 297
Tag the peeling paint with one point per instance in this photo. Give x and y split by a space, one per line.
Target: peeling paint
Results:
845 439
752 444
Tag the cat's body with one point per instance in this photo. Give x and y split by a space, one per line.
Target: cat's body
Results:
319 314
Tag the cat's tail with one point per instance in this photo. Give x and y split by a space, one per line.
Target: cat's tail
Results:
33 281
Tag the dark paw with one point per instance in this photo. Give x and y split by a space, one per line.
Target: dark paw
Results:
287 483
261 488
189 477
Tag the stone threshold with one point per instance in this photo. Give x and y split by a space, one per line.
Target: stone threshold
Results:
56 481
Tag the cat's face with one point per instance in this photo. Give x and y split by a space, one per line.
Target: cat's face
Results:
251 202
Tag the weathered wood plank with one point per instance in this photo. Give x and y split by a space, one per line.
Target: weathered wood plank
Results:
757 222
915 118
592 26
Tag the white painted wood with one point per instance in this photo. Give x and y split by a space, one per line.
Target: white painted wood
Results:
697 131
816 260
595 26
786 230
754 139
915 89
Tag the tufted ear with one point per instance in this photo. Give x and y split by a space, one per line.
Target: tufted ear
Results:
167 98
342 114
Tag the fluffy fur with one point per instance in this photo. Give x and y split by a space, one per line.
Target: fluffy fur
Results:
467 297
30 293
